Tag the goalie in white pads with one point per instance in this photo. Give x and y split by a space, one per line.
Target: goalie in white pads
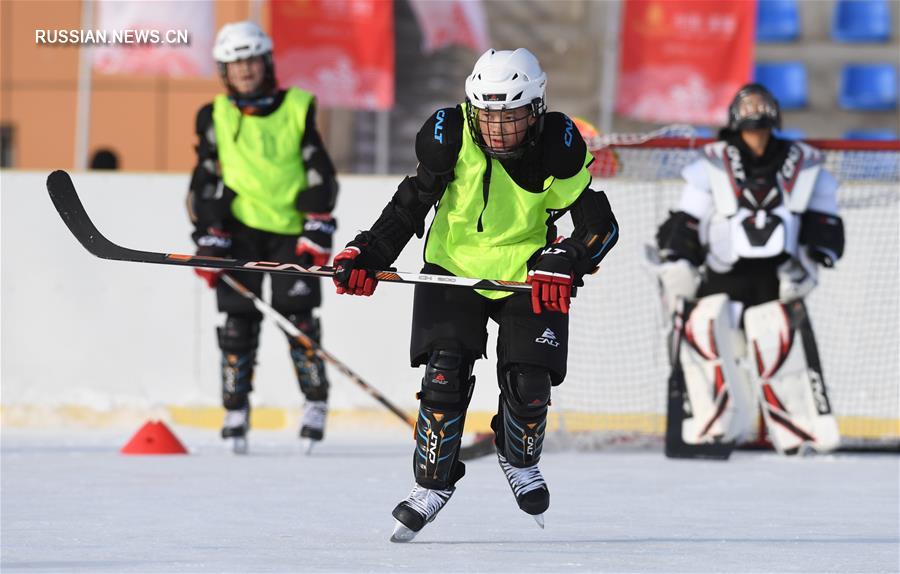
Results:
757 217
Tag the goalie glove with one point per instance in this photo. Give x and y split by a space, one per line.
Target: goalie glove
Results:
797 277
552 277
315 244
679 280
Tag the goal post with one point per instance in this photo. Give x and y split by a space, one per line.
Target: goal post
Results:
615 390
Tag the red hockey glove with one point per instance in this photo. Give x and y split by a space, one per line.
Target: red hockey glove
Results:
213 242
211 276
315 243
552 278
350 277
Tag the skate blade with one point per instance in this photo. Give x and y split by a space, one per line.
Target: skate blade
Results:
239 445
402 533
539 518
308 445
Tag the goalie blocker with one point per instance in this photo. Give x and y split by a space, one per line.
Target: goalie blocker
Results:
722 374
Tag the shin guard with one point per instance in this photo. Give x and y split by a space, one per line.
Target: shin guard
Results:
238 340
522 417
309 368
446 390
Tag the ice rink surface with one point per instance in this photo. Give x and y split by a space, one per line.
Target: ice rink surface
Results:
71 503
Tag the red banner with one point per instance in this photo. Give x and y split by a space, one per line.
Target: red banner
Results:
683 60
340 50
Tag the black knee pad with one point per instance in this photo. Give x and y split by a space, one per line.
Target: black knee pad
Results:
239 334
448 380
522 418
306 322
446 390
526 389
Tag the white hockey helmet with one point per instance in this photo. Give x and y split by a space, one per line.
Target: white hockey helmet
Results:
239 41
505 80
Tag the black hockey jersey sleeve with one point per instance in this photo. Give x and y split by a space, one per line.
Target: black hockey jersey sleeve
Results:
321 193
208 202
437 147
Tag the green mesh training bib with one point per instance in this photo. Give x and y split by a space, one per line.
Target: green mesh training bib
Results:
513 220
261 161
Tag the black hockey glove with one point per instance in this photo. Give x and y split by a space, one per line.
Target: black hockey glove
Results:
314 246
211 242
552 277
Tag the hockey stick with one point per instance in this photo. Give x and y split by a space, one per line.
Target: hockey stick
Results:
65 199
310 344
482 445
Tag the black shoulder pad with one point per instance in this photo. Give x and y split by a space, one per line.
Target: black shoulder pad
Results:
204 119
439 140
564 148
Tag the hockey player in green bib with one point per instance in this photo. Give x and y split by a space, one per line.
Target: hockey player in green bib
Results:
263 189
499 170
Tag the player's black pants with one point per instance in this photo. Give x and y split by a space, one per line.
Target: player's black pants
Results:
292 296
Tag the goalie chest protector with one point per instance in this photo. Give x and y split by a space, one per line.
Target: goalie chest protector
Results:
752 221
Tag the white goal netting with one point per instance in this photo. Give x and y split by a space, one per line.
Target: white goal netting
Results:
616 387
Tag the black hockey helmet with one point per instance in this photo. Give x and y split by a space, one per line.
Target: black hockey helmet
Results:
754 107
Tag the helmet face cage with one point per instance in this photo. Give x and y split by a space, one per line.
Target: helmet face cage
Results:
754 107
505 133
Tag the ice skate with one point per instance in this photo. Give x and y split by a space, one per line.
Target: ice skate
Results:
312 428
235 427
419 508
529 488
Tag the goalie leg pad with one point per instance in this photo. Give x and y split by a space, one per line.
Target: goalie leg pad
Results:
718 405
446 390
788 378
238 340
522 418
309 367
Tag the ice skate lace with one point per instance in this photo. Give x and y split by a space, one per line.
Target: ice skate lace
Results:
427 502
522 480
314 414
234 419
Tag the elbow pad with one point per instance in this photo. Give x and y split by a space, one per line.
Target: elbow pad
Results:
679 238
823 235
596 230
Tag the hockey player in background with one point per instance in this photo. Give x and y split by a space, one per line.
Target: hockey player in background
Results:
757 218
263 189
499 170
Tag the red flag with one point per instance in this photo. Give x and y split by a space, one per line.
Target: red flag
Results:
451 22
340 50
173 38
683 60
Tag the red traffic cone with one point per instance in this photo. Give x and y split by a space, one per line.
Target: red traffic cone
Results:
154 438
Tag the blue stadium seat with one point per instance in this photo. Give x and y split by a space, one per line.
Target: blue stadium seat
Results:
777 21
861 21
791 133
786 81
868 87
872 135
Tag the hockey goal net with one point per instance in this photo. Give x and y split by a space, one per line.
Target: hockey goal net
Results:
615 391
